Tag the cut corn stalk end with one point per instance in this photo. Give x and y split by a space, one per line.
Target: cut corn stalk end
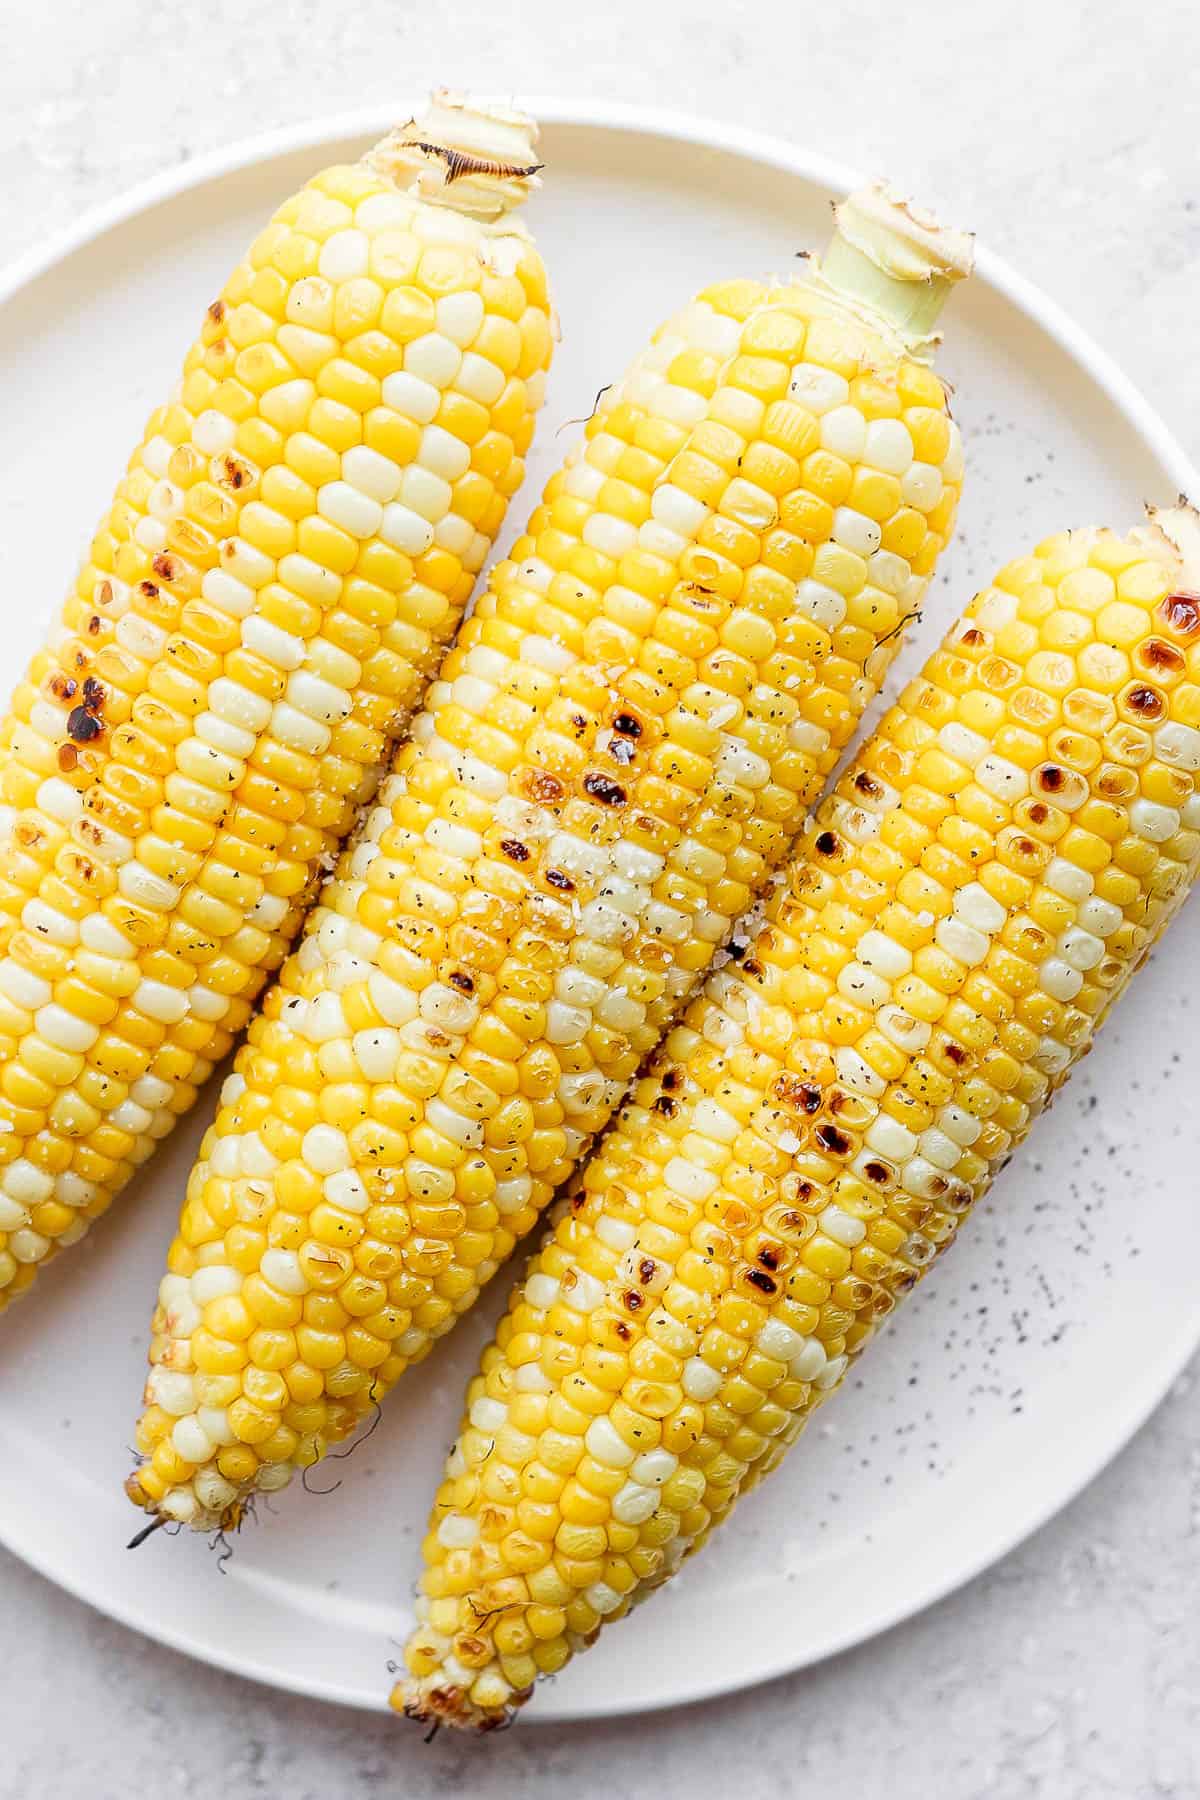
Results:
475 156
896 260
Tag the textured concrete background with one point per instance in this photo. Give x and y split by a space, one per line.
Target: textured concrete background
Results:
1066 134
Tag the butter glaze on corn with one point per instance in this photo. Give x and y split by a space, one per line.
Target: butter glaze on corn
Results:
965 909
621 745
291 547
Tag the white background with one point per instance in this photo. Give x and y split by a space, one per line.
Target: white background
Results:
1067 136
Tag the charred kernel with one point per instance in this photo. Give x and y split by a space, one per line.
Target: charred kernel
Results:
462 981
539 785
877 1171
866 783
604 788
513 848
68 758
1182 613
827 843
83 725
833 1139
671 1079
627 725
1146 702
557 879
766 1284
665 1105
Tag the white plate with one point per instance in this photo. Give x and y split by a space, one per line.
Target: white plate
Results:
1071 1302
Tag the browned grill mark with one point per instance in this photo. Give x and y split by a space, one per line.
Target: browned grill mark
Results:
463 162
513 848
604 788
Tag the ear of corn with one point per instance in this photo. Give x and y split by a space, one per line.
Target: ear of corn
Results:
965 909
291 546
622 743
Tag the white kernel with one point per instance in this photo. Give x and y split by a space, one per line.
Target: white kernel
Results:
542 1291
833 1371
677 510
602 1598
393 1002
443 454
822 604
48 923
273 644
818 390
425 493
960 1125
1082 949
350 509
348 1190
468 1133
375 476
1178 745
1067 879
1005 780
964 745
842 1227
960 940
405 529
166 1005
952 462
921 486
487 1414
411 397
919 1176
857 1073
60 800
581 1291
344 255
859 984
13 1216
979 909
889 446
606 1445
618 1234
457 1532
939 1148
228 595
216 733
611 537
479 379
634 1504
62 1029
460 316
689 1180
877 951
808 1363
653 1467
297 731
855 531
1100 916
22 987
1059 979
173 1391
891 1139
888 571
844 431
140 637
1153 822
325 1150
282 1269
566 1024
432 358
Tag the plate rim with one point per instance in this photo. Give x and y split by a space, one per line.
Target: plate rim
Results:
1142 1397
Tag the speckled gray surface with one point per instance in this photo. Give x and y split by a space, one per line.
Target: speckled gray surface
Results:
1071 1670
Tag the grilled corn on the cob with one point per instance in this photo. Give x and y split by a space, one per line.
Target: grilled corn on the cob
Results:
291 546
622 743
964 911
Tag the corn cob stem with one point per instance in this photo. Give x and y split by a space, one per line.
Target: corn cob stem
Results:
291 548
621 746
965 910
